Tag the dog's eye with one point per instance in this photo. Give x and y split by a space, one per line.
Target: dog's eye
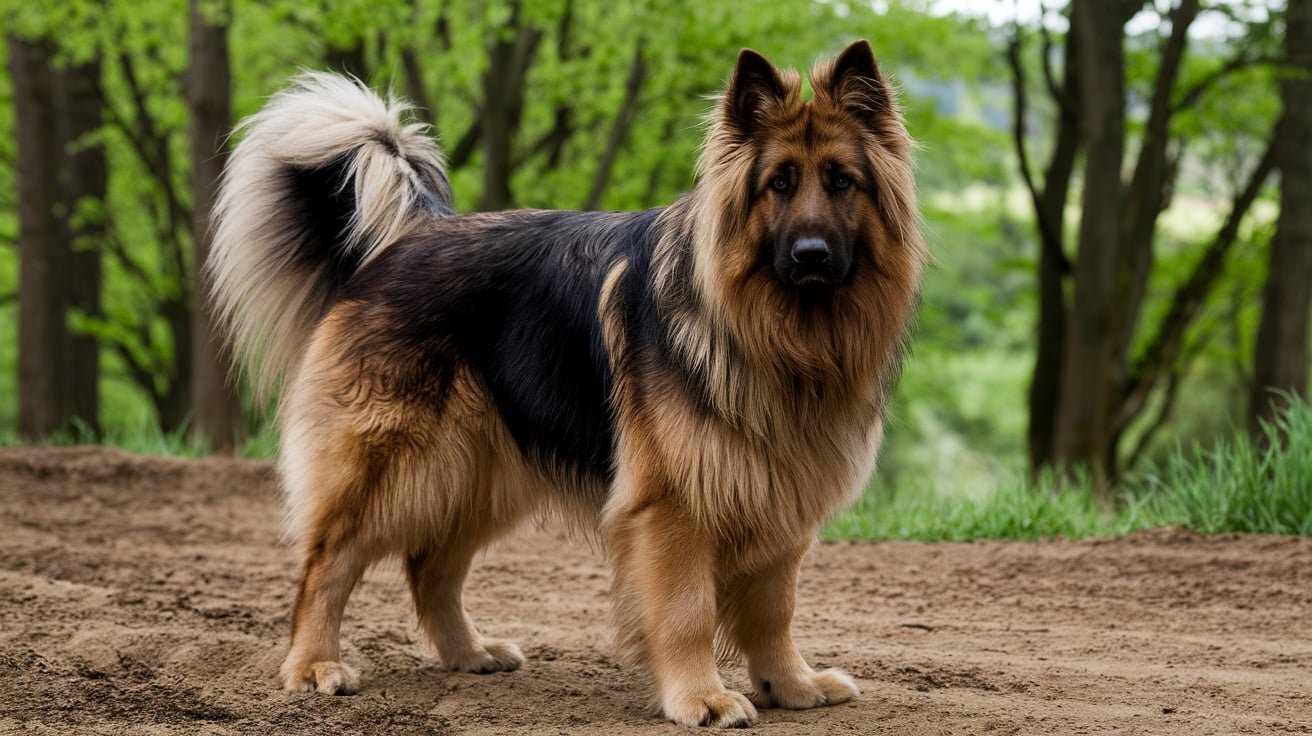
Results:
779 183
841 182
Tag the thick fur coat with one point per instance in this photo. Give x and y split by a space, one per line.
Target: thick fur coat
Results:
703 383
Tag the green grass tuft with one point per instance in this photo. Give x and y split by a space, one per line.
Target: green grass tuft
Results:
1239 486
1235 486
146 437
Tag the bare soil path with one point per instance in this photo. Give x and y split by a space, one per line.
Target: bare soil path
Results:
148 595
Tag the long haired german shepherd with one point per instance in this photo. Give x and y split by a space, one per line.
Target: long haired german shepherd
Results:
704 383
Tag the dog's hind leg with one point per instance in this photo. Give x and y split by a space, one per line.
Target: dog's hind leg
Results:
437 577
330 476
477 491
756 610
314 660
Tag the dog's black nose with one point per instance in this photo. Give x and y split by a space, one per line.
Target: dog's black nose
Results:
810 252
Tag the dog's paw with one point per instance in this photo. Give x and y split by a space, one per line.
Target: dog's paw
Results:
491 655
722 709
329 678
806 690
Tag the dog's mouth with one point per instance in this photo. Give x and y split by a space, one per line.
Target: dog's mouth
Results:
811 279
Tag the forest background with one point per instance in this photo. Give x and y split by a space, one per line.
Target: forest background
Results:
1117 193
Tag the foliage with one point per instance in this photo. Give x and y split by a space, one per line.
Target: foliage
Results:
958 420
577 75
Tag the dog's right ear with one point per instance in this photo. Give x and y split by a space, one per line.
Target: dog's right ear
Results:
755 89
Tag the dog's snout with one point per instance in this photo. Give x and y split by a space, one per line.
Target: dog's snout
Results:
810 251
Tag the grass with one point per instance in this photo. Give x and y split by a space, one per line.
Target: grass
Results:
1238 486
146 437
1234 486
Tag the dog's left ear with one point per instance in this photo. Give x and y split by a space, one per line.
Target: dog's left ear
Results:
855 84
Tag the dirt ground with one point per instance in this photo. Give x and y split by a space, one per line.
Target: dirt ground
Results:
147 595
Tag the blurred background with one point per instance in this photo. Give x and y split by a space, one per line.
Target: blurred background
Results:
1118 196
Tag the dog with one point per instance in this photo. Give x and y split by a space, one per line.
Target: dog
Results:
704 384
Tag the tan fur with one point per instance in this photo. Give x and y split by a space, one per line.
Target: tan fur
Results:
713 505
713 513
368 477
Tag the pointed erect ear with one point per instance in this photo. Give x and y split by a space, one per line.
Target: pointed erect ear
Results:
754 89
855 83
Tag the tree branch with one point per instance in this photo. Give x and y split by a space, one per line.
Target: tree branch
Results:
1194 92
1153 151
414 85
414 77
1163 414
1059 95
620 130
114 247
1187 302
141 375
1018 114
1057 175
149 137
1131 8
651 191
1175 376
1146 193
138 143
553 141
467 143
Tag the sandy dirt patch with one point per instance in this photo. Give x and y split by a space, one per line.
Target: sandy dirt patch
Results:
148 595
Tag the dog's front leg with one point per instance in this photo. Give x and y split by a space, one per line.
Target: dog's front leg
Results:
665 598
757 610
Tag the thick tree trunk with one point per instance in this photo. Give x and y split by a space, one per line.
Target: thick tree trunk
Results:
1281 357
1087 392
1094 365
215 406
83 178
43 260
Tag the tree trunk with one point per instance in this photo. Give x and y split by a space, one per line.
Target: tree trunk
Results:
42 333
1053 266
83 178
503 105
619 131
1281 356
215 406
348 59
1147 194
1094 365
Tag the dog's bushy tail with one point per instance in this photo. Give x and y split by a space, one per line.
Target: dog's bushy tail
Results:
325 177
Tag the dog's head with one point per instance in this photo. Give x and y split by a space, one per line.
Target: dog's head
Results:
812 184
805 209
